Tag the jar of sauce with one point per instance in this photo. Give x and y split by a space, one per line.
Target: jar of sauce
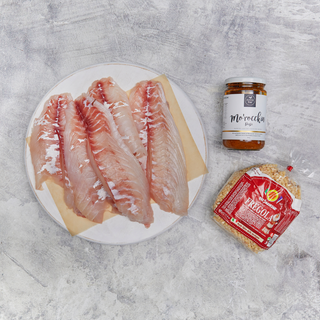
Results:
244 113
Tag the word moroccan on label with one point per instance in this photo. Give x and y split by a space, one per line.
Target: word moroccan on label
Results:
259 208
244 117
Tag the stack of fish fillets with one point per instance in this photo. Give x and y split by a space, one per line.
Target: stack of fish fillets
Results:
107 149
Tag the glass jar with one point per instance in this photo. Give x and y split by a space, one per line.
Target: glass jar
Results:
244 113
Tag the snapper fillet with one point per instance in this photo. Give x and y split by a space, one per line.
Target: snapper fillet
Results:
90 198
68 192
44 142
118 170
139 109
166 164
107 92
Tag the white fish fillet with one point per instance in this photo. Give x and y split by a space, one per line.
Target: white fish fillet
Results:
139 107
68 192
90 198
166 164
107 92
44 142
116 167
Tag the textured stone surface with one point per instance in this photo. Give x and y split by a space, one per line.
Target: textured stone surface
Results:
195 270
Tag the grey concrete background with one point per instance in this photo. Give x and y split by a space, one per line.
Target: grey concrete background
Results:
195 270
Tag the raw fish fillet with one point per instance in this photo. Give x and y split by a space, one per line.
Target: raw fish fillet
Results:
166 164
90 198
118 170
107 92
68 192
139 109
44 142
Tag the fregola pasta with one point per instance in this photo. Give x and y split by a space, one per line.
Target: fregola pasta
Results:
274 173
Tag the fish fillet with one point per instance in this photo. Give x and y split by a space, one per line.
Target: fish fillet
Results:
116 167
90 198
68 192
44 142
139 108
166 164
108 93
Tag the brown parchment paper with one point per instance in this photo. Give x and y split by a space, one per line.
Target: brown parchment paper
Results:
195 166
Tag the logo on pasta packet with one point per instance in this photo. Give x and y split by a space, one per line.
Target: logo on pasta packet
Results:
273 196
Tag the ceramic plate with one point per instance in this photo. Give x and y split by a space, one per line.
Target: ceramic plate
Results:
119 230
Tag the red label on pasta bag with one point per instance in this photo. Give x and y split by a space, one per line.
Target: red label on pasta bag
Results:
259 208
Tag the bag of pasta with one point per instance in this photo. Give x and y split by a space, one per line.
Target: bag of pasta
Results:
257 204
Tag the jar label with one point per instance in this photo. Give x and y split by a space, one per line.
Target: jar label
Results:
259 208
244 117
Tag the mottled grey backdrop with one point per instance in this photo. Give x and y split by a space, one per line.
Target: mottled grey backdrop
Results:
193 271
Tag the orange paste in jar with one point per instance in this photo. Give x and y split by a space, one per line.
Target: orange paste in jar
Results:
244 113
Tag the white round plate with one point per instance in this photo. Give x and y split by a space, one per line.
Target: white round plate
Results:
119 230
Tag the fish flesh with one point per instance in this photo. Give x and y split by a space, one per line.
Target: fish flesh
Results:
44 142
117 168
107 92
166 164
90 198
139 108
61 121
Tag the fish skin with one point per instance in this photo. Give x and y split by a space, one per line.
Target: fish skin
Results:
107 92
45 144
114 164
90 198
166 164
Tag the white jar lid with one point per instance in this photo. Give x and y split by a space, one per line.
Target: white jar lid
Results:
245 79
